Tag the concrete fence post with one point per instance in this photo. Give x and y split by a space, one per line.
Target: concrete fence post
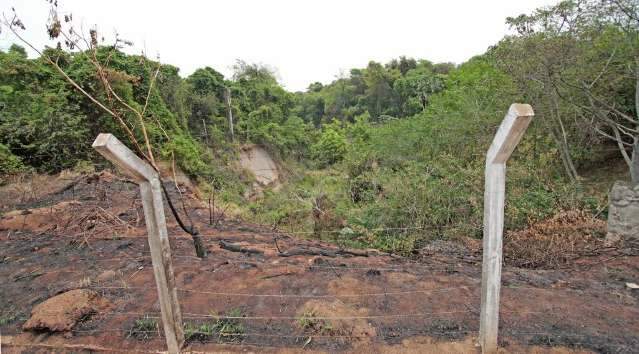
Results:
510 131
151 192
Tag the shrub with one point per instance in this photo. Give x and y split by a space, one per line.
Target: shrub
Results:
330 148
10 163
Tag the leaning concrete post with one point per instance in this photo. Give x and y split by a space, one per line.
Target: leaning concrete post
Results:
510 131
151 192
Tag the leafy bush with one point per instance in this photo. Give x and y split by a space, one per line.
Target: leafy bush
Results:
331 146
404 182
188 155
10 163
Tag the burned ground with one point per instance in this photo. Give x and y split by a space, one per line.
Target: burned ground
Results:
88 233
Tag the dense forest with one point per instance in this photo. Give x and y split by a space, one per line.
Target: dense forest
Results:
390 154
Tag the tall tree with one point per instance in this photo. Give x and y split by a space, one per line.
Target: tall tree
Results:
580 58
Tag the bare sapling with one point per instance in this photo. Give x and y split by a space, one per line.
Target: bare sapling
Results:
99 53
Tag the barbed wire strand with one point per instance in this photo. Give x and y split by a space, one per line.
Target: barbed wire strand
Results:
132 332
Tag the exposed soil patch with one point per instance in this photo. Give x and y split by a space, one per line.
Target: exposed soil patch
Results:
338 302
61 312
258 161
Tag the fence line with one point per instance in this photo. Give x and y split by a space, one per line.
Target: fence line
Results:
303 296
404 292
262 266
188 315
231 233
285 266
551 335
250 334
138 258
195 316
283 233
287 318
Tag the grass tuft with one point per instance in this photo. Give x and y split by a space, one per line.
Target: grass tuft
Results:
144 328
225 329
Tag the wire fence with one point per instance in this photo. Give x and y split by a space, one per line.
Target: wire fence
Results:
276 317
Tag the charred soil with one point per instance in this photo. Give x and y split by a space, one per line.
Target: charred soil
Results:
255 294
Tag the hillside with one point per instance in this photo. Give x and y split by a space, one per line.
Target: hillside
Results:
90 236
347 217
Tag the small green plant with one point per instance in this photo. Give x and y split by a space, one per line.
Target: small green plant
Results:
144 328
310 323
230 329
199 332
226 329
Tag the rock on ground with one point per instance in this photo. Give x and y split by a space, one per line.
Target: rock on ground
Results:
62 312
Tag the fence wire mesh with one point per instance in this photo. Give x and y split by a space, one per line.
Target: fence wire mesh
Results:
318 301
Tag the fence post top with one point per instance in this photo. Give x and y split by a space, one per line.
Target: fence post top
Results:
510 131
521 110
120 155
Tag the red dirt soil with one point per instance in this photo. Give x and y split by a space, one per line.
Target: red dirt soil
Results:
90 234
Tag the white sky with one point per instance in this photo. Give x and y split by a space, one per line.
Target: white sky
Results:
305 41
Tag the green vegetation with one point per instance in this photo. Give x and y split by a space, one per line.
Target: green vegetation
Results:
8 317
388 156
422 176
144 328
309 323
199 332
226 329
10 163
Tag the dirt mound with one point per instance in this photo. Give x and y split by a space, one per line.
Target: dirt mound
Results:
555 242
62 312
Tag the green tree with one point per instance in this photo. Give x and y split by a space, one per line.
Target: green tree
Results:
380 96
579 59
41 118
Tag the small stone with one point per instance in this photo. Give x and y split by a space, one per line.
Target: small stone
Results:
632 286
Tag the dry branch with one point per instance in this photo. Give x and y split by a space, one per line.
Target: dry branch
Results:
229 246
301 251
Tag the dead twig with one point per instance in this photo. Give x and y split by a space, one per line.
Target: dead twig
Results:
277 275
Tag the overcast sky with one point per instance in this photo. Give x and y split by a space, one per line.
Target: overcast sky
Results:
305 41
